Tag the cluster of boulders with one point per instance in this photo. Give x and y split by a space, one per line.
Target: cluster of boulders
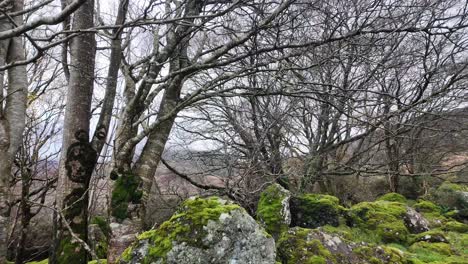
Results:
307 228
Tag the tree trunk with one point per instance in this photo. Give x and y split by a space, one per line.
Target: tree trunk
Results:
12 118
78 157
25 215
137 181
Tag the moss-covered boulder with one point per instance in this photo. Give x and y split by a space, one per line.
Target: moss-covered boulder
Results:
377 254
273 209
384 218
455 226
210 230
426 207
300 245
392 197
315 210
433 236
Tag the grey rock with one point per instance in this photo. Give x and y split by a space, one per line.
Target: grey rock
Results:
415 222
232 238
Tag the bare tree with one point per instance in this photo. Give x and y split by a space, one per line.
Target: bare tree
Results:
79 157
12 114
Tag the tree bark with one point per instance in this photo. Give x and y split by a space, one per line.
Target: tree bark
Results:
78 157
12 117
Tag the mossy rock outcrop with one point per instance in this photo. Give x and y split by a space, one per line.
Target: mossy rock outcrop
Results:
299 245
315 210
204 230
433 236
392 197
379 254
302 245
273 209
383 217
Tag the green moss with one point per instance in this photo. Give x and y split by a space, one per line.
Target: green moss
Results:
455 226
393 232
101 249
101 246
101 222
297 246
383 219
430 252
380 254
127 254
314 210
184 226
426 207
397 246
71 252
353 234
392 197
430 236
448 186
45 261
435 219
449 196
125 191
270 210
103 261
459 242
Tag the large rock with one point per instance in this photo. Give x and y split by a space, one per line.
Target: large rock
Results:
315 210
383 218
415 222
210 230
273 209
121 237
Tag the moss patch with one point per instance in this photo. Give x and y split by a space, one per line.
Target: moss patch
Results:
449 196
395 232
270 210
455 226
431 236
45 261
297 246
426 207
101 222
125 191
71 252
430 252
392 197
380 254
459 242
103 261
384 217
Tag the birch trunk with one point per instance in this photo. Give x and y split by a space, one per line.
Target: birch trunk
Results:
12 117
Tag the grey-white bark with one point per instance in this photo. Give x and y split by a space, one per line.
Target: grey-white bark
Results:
12 116
77 159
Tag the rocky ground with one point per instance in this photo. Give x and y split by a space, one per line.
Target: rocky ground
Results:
311 229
